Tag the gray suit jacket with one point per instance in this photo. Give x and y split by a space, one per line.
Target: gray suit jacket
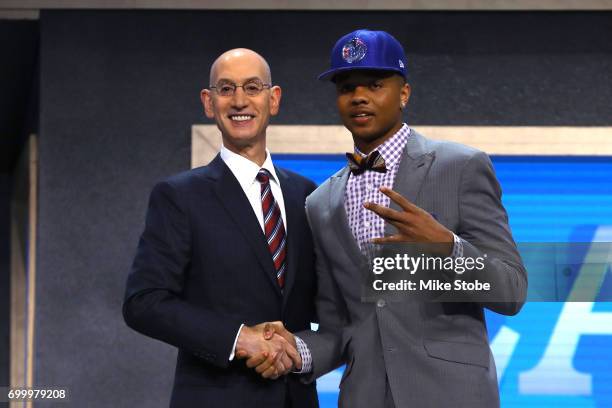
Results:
434 354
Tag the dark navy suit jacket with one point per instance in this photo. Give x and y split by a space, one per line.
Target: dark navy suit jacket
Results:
202 268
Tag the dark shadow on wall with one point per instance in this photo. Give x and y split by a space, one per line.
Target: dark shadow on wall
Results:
4 278
19 54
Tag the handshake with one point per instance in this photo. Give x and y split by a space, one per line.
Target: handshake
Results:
269 348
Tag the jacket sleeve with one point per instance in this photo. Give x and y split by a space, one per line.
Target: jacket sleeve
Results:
484 231
153 303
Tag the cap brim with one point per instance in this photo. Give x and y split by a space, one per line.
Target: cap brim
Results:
328 75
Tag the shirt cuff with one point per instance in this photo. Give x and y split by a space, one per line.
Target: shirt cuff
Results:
304 351
457 247
231 357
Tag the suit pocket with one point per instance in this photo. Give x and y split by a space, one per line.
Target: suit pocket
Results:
465 353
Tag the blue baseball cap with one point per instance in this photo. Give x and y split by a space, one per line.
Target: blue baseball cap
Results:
365 49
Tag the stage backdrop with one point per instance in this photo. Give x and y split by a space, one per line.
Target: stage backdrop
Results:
119 94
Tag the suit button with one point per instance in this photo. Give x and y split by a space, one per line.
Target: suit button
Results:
381 303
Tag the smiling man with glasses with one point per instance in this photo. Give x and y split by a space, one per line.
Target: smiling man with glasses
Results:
227 247
241 99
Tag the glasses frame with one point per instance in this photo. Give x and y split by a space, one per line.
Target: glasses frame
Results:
236 86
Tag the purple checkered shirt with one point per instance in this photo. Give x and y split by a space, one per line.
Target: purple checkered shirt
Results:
364 223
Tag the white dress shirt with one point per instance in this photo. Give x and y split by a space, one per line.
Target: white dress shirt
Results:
245 172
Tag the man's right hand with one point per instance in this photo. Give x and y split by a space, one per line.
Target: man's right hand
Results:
265 365
273 356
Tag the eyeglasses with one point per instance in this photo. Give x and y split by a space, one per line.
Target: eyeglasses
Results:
251 88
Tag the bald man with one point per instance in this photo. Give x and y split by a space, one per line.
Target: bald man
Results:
226 247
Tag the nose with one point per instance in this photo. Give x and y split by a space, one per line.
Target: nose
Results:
360 95
240 99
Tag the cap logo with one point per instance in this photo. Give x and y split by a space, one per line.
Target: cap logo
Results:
401 63
354 50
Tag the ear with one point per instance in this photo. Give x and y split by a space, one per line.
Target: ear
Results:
405 95
207 102
275 98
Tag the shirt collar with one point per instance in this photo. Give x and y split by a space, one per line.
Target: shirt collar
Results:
391 150
244 169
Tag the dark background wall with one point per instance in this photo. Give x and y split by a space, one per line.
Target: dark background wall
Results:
119 92
18 113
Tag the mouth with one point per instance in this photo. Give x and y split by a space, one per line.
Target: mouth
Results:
362 112
241 118
361 117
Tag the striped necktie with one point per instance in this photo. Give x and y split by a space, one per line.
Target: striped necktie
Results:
274 228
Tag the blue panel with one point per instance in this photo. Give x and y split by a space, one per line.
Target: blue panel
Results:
558 354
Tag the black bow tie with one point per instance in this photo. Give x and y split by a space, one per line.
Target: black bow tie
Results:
373 161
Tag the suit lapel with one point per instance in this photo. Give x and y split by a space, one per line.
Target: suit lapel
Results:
339 220
414 166
237 205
